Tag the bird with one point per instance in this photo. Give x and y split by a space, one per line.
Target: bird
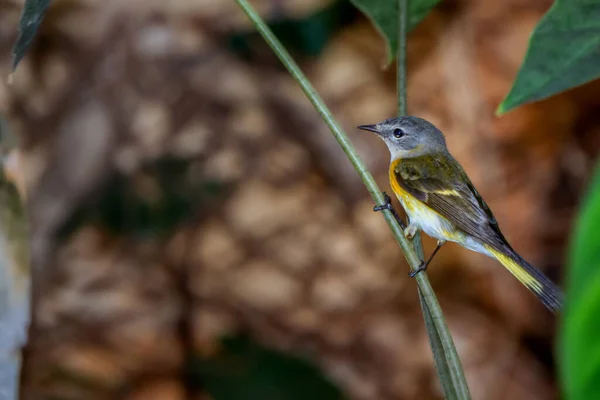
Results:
440 200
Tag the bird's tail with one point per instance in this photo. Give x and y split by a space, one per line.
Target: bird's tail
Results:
548 293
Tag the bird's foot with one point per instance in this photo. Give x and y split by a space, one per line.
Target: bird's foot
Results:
387 204
410 231
421 268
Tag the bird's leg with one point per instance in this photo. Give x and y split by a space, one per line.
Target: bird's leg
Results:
410 231
424 265
387 205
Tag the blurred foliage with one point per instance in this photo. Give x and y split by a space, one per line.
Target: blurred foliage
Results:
384 15
153 202
564 52
309 35
242 369
580 347
31 19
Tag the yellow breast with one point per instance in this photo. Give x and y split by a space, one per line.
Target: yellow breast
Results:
409 202
420 214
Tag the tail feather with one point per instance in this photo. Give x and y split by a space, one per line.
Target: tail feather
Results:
548 293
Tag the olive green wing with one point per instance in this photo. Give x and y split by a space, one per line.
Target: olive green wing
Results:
441 183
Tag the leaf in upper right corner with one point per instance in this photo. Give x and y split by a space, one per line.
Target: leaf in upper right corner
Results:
384 15
31 19
580 328
564 52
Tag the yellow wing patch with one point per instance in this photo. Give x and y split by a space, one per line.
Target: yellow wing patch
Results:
448 192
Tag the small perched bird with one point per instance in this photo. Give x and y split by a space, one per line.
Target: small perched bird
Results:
440 199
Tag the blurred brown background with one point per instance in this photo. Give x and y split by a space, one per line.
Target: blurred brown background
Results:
180 187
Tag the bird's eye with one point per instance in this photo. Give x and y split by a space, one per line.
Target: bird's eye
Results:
398 133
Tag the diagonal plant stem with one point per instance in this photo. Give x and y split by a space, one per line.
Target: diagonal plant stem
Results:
338 133
425 290
446 358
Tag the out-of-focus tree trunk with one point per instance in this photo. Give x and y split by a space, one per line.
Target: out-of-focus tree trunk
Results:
14 267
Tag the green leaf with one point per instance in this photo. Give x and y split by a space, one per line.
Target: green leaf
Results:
123 208
31 19
243 369
308 35
384 15
580 336
564 52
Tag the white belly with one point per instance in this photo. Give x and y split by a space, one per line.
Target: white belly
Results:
429 221
439 227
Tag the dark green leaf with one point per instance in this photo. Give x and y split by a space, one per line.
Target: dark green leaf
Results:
564 52
384 15
123 208
580 338
245 370
31 19
307 35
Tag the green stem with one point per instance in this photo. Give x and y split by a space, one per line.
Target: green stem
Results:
437 348
446 358
401 84
401 62
337 131
425 289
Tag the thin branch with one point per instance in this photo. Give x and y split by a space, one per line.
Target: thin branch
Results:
335 128
401 84
446 358
401 61
425 289
437 346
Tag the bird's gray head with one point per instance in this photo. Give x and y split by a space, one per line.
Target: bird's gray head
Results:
408 137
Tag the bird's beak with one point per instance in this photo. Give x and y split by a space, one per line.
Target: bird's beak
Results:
372 128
